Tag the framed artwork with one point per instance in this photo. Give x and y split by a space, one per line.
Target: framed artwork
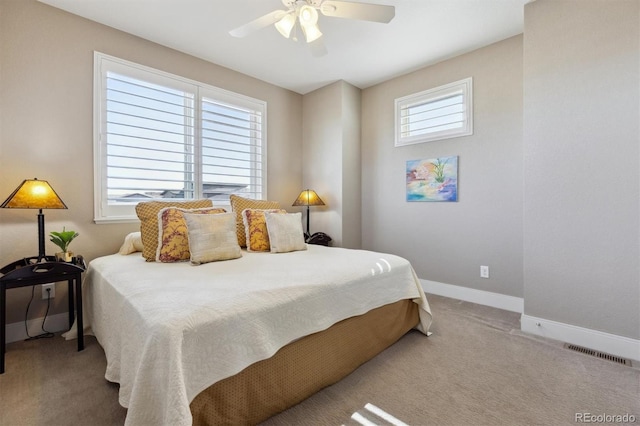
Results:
435 179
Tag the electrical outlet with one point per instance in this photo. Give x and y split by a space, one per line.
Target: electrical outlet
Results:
46 294
484 271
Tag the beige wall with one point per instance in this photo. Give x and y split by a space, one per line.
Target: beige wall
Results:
351 167
46 119
447 242
331 160
549 183
533 202
581 164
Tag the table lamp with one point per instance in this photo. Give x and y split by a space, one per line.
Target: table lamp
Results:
308 197
35 194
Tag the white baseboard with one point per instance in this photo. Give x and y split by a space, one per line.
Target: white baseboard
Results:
55 323
624 347
621 346
487 298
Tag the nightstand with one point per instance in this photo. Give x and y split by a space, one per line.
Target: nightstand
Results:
25 272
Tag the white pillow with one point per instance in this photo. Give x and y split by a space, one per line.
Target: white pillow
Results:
285 232
212 237
132 243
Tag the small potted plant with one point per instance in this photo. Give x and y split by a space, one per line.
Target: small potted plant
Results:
62 240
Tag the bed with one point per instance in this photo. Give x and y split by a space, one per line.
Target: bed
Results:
238 341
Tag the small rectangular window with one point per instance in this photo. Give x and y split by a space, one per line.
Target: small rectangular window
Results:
161 136
439 113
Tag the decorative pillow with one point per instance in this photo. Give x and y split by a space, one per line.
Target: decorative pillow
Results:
173 238
255 228
212 237
285 232
132 243
148 214
238 204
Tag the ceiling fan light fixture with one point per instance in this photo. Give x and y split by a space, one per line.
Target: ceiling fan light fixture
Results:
308 15
305 13
311 32
286 24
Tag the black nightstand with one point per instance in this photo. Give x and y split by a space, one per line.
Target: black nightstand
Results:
26 272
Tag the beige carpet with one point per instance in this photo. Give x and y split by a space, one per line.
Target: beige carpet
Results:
476 369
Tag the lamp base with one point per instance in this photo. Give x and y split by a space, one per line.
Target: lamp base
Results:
41 255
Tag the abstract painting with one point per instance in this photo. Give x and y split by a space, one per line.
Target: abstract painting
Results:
434 179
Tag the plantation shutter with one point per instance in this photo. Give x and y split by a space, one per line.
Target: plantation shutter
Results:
434 114
232 154
159 136
149 140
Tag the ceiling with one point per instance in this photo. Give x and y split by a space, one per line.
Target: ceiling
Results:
362 53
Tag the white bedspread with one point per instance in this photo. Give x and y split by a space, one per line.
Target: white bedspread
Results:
170 331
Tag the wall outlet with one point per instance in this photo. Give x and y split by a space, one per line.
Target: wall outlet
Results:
484 271
45 294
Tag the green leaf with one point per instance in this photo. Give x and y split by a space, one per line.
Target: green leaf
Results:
62 239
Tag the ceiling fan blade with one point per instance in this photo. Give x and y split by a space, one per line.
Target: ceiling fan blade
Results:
362 11
258 24
318 47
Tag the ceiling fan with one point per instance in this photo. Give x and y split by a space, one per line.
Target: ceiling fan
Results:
305 13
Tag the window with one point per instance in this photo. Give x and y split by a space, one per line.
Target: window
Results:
161 136
439 113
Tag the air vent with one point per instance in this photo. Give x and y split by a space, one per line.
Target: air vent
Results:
598 354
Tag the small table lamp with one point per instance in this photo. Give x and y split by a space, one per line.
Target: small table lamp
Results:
308 197
35 194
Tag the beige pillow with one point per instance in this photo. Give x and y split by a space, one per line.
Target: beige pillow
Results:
132 243
238 204
212 237
285 232
147 212
255 228
173 240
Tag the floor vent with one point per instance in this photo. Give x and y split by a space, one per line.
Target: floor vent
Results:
598 354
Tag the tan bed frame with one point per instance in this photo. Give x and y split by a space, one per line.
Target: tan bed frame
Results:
303 367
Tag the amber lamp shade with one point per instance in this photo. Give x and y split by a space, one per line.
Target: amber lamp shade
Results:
35 194
308 197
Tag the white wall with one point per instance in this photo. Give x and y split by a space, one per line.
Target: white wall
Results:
581 164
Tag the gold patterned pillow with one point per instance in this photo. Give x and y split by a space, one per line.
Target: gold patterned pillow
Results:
148 214
255 228
238 204
173 237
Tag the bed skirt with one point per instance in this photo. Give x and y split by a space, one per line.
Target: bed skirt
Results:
303 367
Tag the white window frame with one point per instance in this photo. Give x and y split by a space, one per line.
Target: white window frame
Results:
462 87
105 213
